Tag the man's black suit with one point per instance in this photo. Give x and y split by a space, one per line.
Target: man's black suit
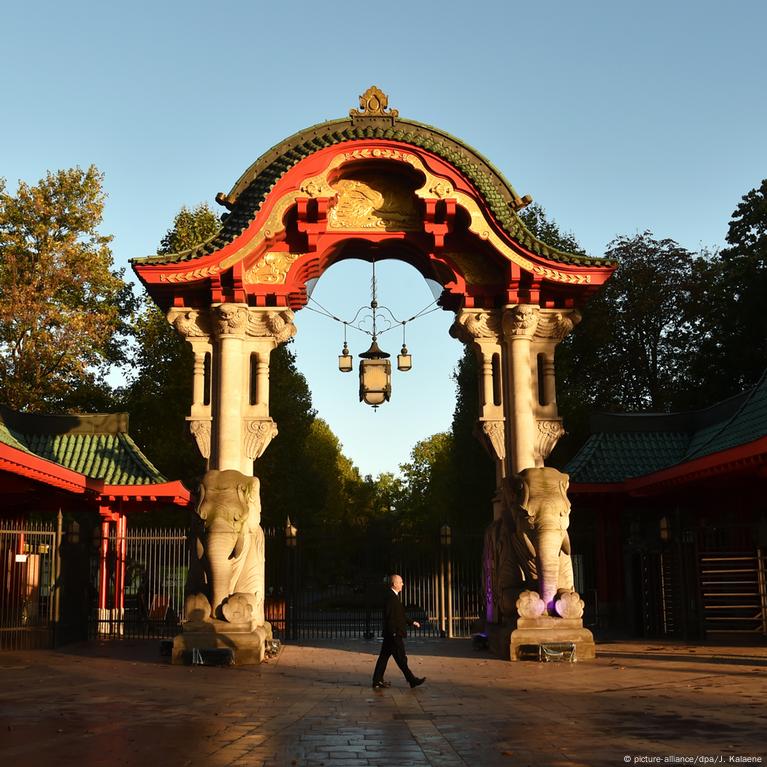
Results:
395 625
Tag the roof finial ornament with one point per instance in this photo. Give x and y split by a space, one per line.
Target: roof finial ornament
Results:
374 103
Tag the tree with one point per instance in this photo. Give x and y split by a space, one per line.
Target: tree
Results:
159 392
733 355
536 219
631 349
634 347
191 226
62 305
427 494
289 487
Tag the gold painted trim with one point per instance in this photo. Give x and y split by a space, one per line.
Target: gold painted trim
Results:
434 186
271 269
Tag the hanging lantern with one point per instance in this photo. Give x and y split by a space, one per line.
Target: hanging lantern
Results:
375 376
345 360
404 359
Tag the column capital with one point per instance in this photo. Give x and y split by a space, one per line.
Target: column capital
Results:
476 325
555 324
190 323
275 323
230 320
520 321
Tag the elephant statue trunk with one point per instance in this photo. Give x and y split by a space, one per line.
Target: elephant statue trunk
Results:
220 546
233 544
528 547
549 566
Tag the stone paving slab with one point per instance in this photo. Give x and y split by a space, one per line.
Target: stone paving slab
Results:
120 704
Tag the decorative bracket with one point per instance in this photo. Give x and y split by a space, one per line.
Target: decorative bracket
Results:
200 429
257 435
494 438
550 430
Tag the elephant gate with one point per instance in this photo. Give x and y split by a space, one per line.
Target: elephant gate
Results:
375 186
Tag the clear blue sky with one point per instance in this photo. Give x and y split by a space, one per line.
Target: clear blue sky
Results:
615 116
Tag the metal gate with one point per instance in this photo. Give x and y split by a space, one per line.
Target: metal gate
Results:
659 593
144 576
29 598
734 592
326 587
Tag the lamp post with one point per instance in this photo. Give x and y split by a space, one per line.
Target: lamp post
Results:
291 539
445 616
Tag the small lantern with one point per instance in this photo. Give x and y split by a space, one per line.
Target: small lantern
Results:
404 359
445 535
665 530
291 534
345 360
375 376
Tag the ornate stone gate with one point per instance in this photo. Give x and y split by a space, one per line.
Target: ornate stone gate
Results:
375 186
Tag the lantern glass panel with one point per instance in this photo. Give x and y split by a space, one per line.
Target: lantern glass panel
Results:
375 381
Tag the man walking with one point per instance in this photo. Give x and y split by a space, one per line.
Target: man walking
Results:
394 630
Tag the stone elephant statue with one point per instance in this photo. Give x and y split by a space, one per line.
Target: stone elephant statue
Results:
231 551
528 547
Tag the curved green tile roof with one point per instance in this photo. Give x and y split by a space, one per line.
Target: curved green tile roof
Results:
97 446
623 446
250 191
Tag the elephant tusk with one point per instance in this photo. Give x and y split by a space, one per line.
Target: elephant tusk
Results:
529 544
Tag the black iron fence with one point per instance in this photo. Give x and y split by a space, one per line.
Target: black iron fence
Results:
323 586
145 579
131 584
28 597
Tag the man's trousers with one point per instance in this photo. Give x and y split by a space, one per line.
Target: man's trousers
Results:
393 646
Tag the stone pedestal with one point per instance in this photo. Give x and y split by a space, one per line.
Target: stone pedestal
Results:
246 641
547 629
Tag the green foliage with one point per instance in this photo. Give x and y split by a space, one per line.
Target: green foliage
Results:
473 469
159 395
537 221
61 302
733 354
289 487
629 350
159 391
191 227
428 484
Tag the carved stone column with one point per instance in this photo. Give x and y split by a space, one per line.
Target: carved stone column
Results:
267 327
482 330
519 326
195 327
553 326
230 322
231 422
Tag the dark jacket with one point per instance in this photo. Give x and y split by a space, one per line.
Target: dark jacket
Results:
394 621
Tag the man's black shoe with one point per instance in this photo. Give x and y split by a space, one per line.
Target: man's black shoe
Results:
418 681
381 685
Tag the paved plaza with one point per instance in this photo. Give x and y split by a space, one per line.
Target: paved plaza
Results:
116 704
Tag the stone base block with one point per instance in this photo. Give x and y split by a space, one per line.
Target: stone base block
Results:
246 641
553 631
